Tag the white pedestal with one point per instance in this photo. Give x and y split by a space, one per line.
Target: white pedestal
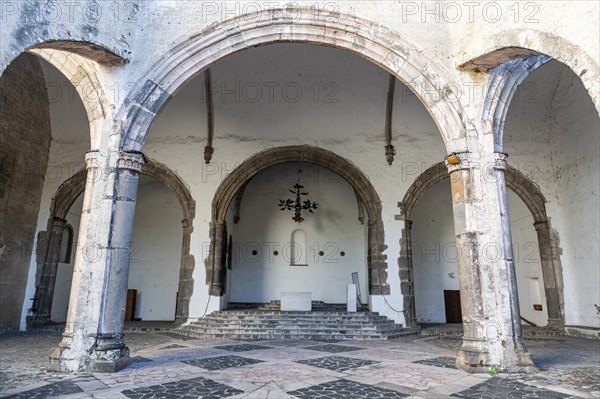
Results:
351 298
296 301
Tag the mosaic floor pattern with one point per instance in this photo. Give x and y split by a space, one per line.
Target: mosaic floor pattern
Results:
221 362
345 389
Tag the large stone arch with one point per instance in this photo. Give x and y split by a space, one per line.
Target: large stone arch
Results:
81 69
191 55
94 44
50 241
236 181
517 43
535 201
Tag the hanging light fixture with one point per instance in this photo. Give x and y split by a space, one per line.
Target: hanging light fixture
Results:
298 204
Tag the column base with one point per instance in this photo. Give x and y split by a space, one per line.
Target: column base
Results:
110 361
555 324
475 357
108 355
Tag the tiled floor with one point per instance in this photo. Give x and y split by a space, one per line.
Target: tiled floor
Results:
172 366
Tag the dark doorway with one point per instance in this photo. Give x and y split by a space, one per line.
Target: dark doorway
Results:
452 302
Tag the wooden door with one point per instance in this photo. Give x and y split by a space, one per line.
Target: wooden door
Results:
452 302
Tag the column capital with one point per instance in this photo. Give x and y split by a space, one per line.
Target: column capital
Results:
131 160
92 159
461 161
501 161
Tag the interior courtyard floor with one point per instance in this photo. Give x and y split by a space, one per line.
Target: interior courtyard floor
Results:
167 365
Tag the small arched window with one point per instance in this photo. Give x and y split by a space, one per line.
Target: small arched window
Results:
298 248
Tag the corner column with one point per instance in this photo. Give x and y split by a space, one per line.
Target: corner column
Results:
489 303
93 337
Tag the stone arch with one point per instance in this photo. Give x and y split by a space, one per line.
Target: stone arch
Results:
370 40
236 180
516 43
93 44
535 201
83 74
49 241
504 81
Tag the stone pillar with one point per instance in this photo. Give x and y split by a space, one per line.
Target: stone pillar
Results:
376 261
48 251
500 162
216 268
93 337
407 281
490 338
553 303
111 353
186 279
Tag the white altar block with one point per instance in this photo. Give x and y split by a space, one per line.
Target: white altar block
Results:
296 301
351 298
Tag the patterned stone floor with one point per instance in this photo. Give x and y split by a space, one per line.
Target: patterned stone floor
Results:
345 389
498 387
241 347
410 368
446 362
333 348
221 362
337 363
194 388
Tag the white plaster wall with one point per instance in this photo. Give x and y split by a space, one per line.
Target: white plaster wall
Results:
434 253
435 256
156 251
526 252
333 228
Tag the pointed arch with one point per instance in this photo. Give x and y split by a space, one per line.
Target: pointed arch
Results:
231 185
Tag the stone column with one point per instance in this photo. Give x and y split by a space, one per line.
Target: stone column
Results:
407 281
490 338
553 303
111 354
216 269
500 162
93 337
48 252
186 279
376 261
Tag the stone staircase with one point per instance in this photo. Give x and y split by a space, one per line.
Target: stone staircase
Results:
260 324
276 305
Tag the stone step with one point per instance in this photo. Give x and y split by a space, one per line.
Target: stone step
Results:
271 324
293 323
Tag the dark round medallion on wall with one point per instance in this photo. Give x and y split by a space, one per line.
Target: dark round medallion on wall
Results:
254 252
321 253
275 253
342 253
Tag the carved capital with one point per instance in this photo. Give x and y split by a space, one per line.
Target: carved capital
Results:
92 160
461 161
132 161
501 161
